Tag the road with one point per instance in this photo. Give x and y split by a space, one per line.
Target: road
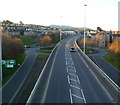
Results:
110 70
14 86
70 80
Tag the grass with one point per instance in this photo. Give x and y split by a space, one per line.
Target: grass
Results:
40 56
46 50
113 59
7 73
87 50
54 42
28 41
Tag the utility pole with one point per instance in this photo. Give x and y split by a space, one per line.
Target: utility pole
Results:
85 27
60 28
0 63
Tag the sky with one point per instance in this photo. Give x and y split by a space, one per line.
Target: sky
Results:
102 13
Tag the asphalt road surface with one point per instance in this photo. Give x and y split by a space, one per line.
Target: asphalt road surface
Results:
13 87
70 80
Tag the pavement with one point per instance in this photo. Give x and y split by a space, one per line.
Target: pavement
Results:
110 70
70 80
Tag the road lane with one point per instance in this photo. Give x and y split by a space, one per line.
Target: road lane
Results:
57 91
71 80
11 89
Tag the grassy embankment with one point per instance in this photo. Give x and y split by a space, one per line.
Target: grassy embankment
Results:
9 72
28 41
113 59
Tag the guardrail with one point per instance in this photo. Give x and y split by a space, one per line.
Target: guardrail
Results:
112 88
43 76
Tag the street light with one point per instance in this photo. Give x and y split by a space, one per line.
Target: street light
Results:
85 27
60 28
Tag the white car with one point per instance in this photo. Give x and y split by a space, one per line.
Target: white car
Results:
72 49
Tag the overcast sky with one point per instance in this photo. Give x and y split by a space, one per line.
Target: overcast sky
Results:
103 13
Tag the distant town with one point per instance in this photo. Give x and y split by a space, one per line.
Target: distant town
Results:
21 29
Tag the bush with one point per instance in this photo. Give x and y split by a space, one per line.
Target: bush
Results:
12 47
45 40
115 46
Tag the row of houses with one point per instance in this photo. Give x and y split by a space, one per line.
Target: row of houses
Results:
18 29
103 38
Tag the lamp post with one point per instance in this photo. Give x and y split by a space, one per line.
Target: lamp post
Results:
60 28
85 27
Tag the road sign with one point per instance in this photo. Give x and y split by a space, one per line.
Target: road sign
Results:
9 63
12 62
3 62
9 66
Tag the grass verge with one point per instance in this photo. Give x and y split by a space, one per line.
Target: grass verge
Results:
47 50
28 41
113 59
7 73
88 50
40 56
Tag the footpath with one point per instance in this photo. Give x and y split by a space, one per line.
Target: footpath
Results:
110 70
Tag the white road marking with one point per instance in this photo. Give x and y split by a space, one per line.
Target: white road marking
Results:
68 79
83 96
72 74
77 96
71 67
68 58
75 87
69 70
69 63
73 80
75 76
71 100
78 79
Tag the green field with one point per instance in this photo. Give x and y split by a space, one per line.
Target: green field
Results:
7 73
41 56
28 41
113 59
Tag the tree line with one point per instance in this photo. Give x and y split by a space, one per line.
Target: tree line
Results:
12 47
49 39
